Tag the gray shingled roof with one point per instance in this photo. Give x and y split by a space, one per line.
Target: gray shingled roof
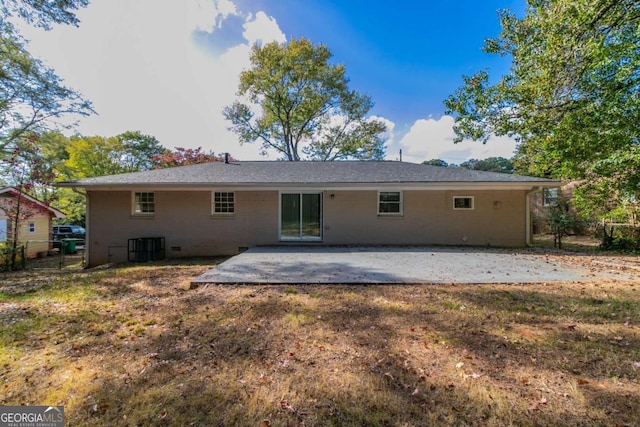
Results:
304 173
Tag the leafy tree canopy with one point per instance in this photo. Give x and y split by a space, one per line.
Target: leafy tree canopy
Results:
490 164
90 156
572 97
183 157
43 13
436 162
32 96
299 104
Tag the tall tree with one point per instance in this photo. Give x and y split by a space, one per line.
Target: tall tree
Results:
437 162
306 106
138 150
490 164
43 13
25 170
183 157
90 156
572 97
32 96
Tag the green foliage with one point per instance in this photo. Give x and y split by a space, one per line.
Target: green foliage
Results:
43 13
90 156
490 164
306 106
138 151
436 162
572 97
561 219
32 97
11 256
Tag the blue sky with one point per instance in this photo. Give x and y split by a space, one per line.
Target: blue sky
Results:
167 68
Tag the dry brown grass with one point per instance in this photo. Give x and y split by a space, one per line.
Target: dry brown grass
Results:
133 346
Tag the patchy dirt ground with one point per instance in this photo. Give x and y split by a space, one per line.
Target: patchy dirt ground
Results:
132 345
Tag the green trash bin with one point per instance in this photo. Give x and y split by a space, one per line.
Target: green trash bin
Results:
69 246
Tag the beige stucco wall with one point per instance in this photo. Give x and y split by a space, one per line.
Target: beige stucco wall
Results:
184 219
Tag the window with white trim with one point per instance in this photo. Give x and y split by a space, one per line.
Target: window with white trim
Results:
32 227
463 203
144 203
390 203
550 197
224 202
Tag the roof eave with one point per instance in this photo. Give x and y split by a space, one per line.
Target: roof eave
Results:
431 185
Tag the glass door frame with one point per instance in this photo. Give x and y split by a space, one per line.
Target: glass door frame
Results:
300 237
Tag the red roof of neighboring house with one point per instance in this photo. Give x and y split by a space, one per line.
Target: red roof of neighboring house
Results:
14 191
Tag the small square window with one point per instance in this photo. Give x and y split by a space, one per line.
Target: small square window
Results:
144 204
390 203
550 197
224 202
463 203
32 227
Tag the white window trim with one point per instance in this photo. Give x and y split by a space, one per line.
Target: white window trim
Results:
31 227
213 203
401 213
133 204
473 203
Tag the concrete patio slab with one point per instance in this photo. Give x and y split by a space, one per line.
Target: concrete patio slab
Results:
391 265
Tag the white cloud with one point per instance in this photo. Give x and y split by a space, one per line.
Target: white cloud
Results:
433 139
263 29
138 63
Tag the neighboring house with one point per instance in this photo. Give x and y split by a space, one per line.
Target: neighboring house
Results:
221 208
35 221
542 202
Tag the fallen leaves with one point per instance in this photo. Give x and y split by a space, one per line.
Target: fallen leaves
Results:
536 405
286 406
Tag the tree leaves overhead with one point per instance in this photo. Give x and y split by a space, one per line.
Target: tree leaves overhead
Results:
490 164
572 96
32 97
572 99
43 13
305 104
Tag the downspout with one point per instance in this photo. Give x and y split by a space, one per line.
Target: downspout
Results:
87 237
527 238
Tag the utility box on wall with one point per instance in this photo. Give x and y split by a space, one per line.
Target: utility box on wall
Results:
143 249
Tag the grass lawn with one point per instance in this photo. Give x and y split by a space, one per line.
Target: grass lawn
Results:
134 346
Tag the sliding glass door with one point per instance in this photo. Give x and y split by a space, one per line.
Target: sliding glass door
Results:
301 216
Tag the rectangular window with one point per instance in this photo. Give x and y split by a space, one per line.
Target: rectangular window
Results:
144 204
550 197
462 203
3 230
224 202
32 227
389 203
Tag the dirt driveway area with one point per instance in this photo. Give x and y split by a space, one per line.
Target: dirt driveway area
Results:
387 265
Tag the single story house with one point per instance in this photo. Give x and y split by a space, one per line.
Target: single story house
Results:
221 208
35 220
